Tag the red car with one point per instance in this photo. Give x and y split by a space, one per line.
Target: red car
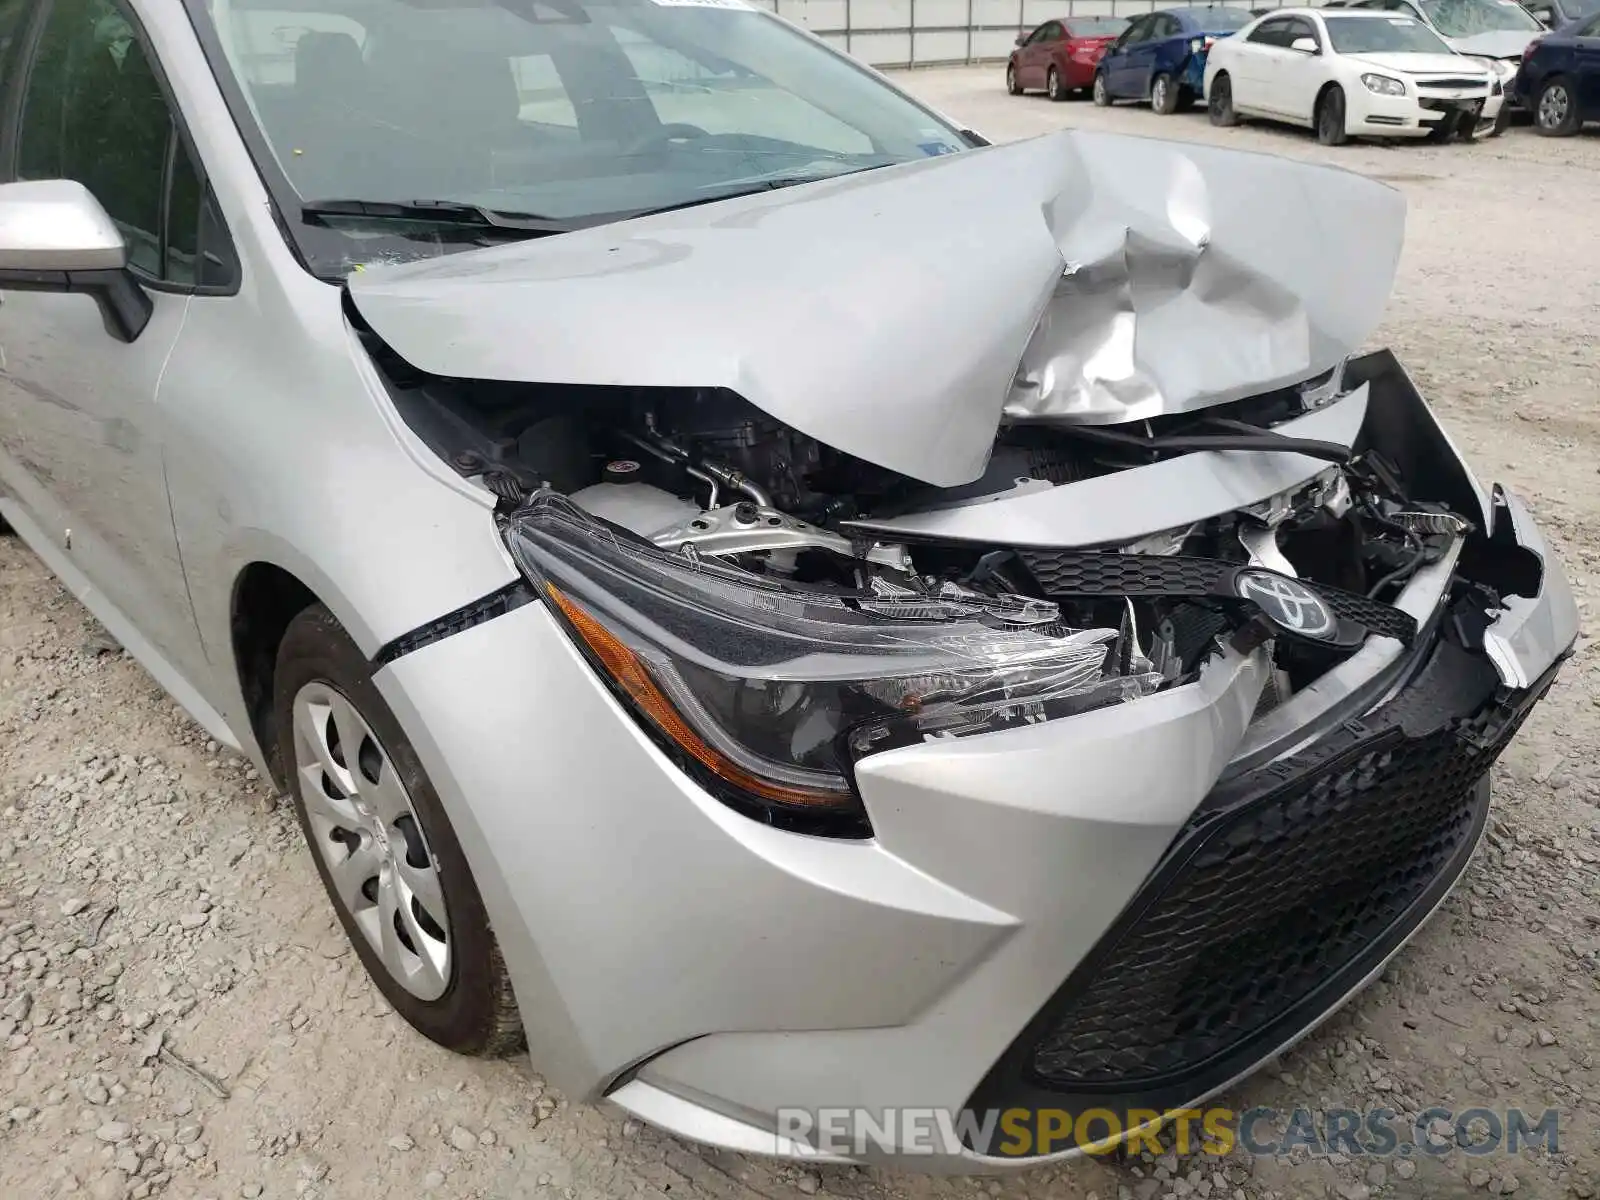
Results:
1060 56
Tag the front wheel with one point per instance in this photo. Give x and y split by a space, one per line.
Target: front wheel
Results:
1219 103
1012 85
1102 96
1555 112
1330 118
386 853
1164 94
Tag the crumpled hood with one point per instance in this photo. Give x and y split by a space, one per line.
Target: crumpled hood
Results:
899 314
1500 43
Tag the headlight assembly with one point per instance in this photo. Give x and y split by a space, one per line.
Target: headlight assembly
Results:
1384 85
767 692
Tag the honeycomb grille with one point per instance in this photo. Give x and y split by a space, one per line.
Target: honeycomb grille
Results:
1100 573
1374 614
1270 900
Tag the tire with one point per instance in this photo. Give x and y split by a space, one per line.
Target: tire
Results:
1053 86
1555 110
458 994
1219 104
1164 94
1012 85
1330 117
1102 97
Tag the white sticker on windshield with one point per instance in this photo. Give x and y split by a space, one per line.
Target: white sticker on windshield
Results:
739 4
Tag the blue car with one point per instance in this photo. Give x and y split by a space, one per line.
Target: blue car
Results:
1161 56
1559 82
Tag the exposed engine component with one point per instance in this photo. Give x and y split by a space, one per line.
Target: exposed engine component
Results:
637 507
703 473
746 528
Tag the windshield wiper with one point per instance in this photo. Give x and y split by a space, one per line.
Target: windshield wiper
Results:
753 187
443 212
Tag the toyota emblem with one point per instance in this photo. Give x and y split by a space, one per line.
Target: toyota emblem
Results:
1288 604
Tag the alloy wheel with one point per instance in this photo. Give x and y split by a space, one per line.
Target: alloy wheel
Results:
366 832
1158 94
1554 104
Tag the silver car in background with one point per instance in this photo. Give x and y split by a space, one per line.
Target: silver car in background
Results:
754 593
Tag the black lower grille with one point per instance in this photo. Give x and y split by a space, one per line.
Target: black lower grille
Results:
1288 884
1061 574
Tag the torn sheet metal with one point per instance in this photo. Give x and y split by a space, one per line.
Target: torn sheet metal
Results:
899 314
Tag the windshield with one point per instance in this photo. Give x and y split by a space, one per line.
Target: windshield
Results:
1091 27
1463 18
1382 35
568 110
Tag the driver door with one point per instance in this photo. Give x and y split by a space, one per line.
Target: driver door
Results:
1255 66
1118 67
1036 54
1586 65
1299 79
82 476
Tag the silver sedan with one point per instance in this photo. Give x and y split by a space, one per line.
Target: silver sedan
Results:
755 594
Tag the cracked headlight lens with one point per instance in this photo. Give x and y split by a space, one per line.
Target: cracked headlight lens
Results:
1384 85
767 692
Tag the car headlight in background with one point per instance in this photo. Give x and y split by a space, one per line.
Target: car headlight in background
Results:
1384 85
767 692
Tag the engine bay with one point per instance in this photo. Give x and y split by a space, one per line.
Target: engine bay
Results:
703 474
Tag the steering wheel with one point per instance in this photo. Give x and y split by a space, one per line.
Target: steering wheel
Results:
671 131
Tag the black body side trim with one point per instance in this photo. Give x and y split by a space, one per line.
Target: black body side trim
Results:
486 608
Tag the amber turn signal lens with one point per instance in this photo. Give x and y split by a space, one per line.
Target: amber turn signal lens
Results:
633 677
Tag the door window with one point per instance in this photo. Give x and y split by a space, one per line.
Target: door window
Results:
1299 27
1137 32
94 111
1163 26
1272 33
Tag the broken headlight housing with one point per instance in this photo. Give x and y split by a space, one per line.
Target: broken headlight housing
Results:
766 692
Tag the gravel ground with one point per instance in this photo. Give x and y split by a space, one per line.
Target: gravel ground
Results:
180 1016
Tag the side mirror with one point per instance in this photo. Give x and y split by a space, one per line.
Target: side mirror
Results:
1546 17
1305 45
55 237
1022 39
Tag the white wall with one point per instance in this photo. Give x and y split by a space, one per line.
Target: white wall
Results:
900 33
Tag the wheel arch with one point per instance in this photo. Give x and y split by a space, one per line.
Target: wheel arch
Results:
1322 94
265 599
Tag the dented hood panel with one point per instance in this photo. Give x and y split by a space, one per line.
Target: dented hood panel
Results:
900 314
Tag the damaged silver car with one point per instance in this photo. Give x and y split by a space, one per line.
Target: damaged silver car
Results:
765 598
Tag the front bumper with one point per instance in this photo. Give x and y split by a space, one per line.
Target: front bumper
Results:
1370 114
1128 908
